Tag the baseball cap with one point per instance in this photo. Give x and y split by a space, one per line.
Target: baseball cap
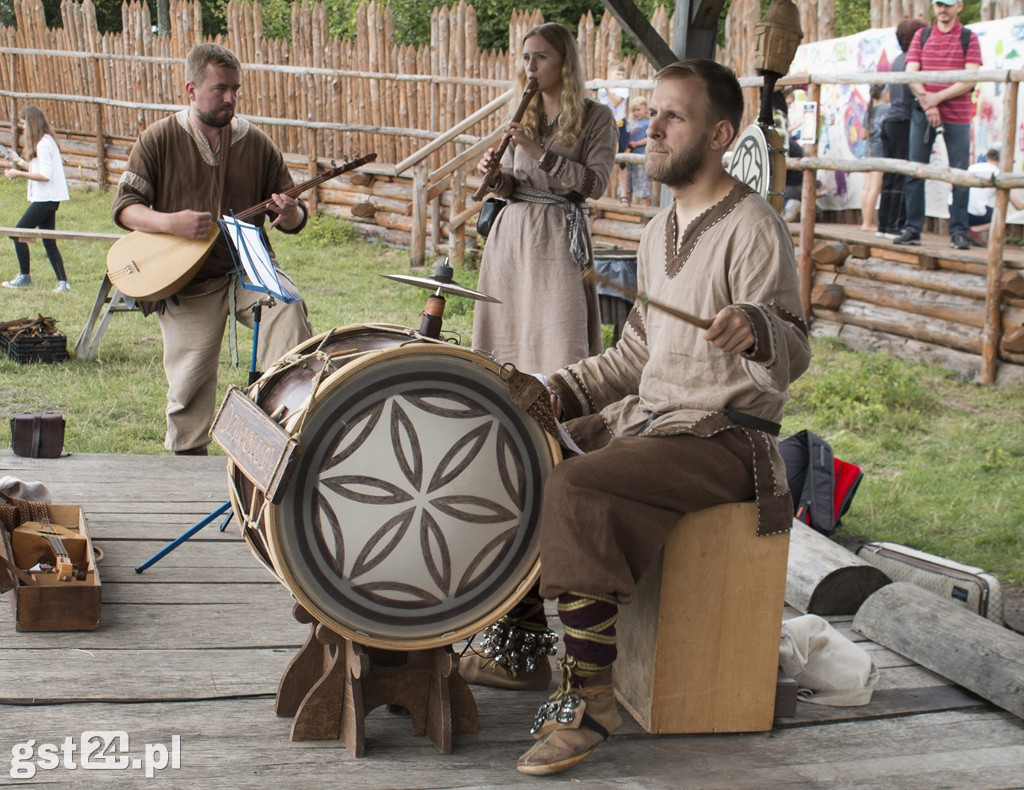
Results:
946 2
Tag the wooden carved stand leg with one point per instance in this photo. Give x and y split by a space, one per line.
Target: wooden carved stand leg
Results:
333 683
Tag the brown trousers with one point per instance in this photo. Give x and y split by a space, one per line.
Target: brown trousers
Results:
606 514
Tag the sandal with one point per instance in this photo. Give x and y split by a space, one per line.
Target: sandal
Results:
624 201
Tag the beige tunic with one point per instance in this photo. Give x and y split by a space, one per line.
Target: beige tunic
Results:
548 317
663 378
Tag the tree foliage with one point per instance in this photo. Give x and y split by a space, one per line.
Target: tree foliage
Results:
412 17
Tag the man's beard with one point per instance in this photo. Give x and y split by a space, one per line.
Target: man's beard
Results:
217 120
678 169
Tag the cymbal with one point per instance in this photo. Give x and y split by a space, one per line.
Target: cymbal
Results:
442 285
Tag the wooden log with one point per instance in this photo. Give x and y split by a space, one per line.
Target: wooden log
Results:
942 281
389 219
1014 341
898 322
364 210
832 253
967 366
942 636
916 301
827 295
859 250
825 578
1013 284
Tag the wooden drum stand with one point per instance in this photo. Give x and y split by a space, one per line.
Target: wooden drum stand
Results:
333 683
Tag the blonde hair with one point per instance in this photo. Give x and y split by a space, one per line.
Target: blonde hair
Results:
636 101
36 128
570 117
203 55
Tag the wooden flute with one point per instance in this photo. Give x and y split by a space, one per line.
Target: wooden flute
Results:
531 89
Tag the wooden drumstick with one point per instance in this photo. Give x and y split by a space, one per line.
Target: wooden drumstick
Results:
630 293
492 172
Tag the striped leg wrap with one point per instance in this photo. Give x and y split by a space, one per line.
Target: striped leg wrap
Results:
589 622
529 612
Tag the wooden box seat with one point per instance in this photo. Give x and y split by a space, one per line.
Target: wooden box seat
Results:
699 643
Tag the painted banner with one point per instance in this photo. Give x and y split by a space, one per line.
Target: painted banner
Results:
843 131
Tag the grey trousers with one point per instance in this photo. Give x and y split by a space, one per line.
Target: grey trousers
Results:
193 331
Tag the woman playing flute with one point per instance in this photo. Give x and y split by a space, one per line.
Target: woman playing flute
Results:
560 153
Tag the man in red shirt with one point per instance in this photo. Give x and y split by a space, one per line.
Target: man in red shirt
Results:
941 107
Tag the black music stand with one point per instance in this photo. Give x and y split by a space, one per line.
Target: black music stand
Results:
255 269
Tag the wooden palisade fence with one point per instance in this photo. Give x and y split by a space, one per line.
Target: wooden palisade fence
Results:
429 112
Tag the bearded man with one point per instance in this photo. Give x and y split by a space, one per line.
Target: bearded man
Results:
674 418
183 172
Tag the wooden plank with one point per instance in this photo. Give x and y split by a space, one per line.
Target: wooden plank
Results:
139 675
192 593
153 626
241 744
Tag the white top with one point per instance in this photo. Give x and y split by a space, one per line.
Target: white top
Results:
980 198
619 111
47 162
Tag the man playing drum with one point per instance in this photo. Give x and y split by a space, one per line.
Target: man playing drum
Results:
178 181
676 418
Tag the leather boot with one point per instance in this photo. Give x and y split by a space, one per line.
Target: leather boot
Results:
570 727
485 672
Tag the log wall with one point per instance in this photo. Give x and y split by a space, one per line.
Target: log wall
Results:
918 306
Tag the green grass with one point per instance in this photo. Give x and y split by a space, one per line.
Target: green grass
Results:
943 461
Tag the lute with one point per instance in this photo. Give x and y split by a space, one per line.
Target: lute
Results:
51 536
152 266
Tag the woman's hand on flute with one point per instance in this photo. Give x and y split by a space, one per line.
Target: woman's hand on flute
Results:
486 162
530 147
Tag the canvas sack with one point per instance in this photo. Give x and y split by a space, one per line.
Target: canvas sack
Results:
828 668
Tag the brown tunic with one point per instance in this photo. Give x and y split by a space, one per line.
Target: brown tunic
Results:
548 317
172 168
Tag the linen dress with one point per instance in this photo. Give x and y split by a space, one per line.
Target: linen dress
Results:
548 316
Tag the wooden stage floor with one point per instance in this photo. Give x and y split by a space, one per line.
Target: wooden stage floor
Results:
195 646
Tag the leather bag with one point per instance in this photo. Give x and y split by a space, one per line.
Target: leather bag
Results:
37 435
488 213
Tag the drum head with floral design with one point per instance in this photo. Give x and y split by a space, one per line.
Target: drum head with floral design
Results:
412 517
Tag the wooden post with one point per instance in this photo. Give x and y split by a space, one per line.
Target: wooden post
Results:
997 231
457 236
418 245
98 115
808 207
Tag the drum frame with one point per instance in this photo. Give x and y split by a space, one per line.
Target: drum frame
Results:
276 521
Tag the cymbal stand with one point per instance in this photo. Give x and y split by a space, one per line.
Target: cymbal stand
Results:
225 509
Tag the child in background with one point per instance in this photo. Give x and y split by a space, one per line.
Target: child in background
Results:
44 171
617 99
639 184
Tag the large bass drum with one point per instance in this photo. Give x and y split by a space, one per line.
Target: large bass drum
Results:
411 518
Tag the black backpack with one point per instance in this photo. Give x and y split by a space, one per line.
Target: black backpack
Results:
821 484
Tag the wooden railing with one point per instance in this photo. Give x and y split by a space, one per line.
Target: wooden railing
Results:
1003 182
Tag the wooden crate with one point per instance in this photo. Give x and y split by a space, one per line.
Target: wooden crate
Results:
52 604
699 643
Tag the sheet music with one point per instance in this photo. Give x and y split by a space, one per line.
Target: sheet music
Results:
257 265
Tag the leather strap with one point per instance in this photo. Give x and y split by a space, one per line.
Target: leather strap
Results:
37 434
750 421
222 169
